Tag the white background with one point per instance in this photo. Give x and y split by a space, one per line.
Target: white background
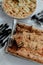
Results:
6 59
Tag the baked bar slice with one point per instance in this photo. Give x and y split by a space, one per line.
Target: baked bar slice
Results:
27 42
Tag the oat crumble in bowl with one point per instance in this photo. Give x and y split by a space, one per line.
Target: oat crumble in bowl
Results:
19 8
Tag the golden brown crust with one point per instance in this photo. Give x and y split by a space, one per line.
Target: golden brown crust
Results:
34 50
18 11
16 54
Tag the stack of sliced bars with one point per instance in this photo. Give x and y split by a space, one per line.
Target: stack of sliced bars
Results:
27 43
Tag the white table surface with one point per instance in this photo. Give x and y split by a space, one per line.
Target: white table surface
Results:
6 59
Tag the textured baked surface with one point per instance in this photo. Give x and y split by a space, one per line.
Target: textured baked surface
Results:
21 9
28 43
